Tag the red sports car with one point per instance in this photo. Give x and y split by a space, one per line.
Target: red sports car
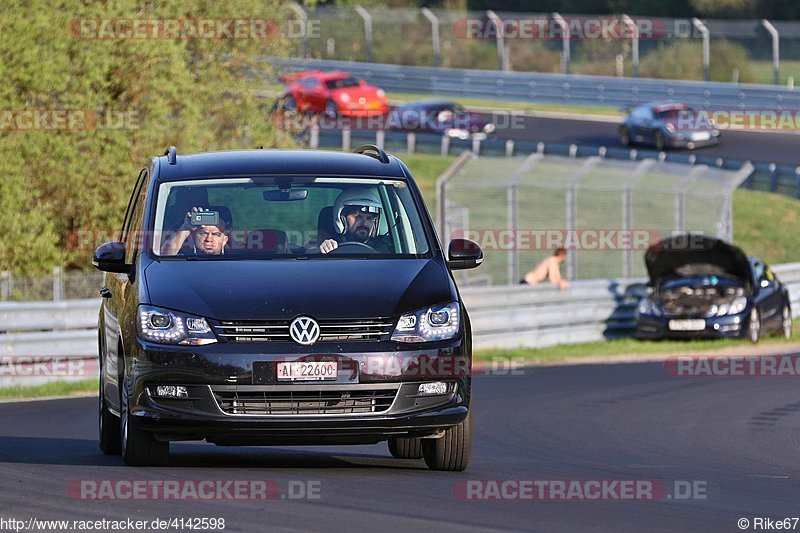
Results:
332 93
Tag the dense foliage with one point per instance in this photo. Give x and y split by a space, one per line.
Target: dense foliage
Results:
130 98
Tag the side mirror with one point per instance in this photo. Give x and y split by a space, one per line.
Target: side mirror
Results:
110 257
463 254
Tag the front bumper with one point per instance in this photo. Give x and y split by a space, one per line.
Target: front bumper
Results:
727 326
375 395
689 141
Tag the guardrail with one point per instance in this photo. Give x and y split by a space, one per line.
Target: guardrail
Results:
780 179
502 317
555 88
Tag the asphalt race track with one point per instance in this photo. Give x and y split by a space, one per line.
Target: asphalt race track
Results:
779 148
738 438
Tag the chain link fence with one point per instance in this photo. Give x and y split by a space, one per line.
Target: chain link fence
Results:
606 213
60 285
739 50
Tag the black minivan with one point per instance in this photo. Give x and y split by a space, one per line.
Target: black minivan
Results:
283 297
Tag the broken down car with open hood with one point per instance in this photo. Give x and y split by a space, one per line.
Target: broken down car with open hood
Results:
703 287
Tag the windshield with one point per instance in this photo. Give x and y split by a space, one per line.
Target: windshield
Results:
700 281
280 217
341 83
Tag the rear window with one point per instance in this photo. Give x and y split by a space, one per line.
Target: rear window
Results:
342 83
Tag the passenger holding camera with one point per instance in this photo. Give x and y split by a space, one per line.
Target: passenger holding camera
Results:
207 231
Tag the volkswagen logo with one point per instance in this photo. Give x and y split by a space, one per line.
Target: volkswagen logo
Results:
304 330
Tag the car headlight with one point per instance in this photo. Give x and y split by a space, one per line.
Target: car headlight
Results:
435 323
648 307
489 128
735 307
166 326
380 93
670 127
344 97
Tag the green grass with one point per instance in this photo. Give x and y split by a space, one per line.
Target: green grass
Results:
762 71
618 347
56 388
510 105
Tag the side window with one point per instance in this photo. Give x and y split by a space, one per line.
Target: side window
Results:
123 234
133 235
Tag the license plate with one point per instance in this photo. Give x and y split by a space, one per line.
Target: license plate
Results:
307 370
701 136
687 325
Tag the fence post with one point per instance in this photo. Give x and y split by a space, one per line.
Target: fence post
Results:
346 139
565 53
503 62
367 32
776 60
6 284
411 143
313 142
512 210
634 45
380 139
797 179
437 45
445 145
706 47
58 283
304 20
441 185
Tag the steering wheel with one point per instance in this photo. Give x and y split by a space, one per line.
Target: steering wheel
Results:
354 248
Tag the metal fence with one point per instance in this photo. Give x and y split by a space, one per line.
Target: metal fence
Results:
60 285
605 212
502 317
556 88
436 37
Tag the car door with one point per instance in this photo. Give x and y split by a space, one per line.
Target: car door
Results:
644 124
117 288
769 299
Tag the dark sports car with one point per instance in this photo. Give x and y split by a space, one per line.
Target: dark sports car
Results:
667 125
703 287
440 116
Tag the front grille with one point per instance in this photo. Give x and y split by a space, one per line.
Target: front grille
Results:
322 401
330 330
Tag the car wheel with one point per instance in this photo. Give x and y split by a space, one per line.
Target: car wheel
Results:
624 136
754 326
289 104
658 141
331 109
139 448
405 448
452 451
109 427
787 322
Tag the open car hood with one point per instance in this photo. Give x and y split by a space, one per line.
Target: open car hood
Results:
695 255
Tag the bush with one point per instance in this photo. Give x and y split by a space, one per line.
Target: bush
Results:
684 60
197 94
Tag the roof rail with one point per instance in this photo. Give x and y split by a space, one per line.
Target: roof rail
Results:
172 155
379 154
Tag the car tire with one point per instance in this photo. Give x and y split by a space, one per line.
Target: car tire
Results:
405 448
754 326
288 104
659 141
624 137
139 448
786 325
452 451
331 109
109 424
